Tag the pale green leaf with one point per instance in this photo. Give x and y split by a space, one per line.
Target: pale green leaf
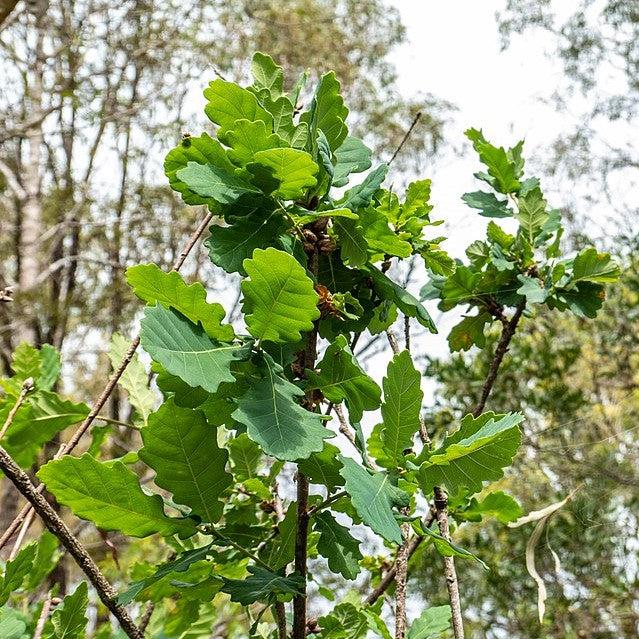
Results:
181 447
341 378
469 332
15 572
110 496
293 169
152 285
374 497
245 456
185 350
360 196
248 138
275 420
591 266
202 150
353 156
431 623
134 379
227 103
279 299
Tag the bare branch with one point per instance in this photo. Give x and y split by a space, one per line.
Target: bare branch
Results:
54 523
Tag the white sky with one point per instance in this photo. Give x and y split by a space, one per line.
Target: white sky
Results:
453 51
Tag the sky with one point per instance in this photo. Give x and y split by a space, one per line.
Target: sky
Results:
452 50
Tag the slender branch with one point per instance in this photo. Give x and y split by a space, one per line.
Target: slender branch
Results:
303 517
54 523
401 577
280 618
450 573
44 614
406 136
146 616
507 333
27 387
65 449
240 549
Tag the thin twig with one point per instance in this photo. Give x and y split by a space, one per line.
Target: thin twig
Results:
65 449
27 387
44 614
507 333
401 577
54 523
406 136
146 616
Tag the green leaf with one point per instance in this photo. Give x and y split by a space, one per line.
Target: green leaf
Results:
262 585
341 378
360 196
279 299
469 332
532 289
381 239
210 181
49 367
282 550
405 301
37 422
45 560
181 564
590 266
353 156
497 504
202 150
15 572
401 408
110 496
323 467
181 447
503 168
459 288
245 455
248 138
327 112
11 625
134 379
69 621
185 350
447 548
431 623
337 546
344 622
374 497
227 103
477 452
532 214
488 204
294 170
152 285
352 243
266 74
275 420
229 246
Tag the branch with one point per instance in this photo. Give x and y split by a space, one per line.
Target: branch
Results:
406 136
303 517
42 620
54 523
27 387
65 449
507 333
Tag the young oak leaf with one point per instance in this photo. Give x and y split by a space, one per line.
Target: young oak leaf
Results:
275 420
374 497
152 285
341 378
477 452
110 496
181 447
279 299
